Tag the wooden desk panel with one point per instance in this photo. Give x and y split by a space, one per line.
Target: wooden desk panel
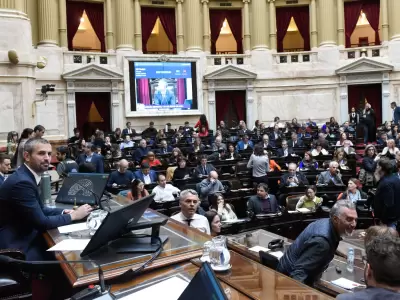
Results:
259 282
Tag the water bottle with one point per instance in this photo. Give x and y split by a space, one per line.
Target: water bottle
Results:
350 260
45 188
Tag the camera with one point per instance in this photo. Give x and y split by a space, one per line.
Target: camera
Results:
48 88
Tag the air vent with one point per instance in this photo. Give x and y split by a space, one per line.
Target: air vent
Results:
157 2
292 1
225 4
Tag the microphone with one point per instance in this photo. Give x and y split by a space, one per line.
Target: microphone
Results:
92 292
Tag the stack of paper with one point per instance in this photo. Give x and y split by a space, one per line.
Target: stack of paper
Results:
259 248
346 284
72 228
70 245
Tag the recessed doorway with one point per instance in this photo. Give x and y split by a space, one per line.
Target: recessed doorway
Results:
360 94
230 107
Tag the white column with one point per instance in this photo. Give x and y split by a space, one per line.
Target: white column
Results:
115 106
344 101
386 112
179 29
272 25
249 103
211 105
71 107
246 21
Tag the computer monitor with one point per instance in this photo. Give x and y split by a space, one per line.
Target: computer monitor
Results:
82 188
116 222
204 285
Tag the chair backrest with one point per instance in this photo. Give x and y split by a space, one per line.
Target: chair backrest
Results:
269 260
291 201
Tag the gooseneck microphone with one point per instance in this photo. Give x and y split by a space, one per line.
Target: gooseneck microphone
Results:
88 293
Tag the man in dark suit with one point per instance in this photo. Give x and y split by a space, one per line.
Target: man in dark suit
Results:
141 151
396 112
293 178
265 143
145 174
295 142
163 96
204 168
387 196
164 148
187 130
285 150
149 131
5 167
23 218
262 203
90 156
128 130
332 176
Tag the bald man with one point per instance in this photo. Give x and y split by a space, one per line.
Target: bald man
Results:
209 186
122 177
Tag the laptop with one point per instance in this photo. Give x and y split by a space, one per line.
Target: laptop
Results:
204 285
84 188
116 222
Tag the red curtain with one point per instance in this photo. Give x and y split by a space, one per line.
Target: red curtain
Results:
239 99
74 14
181 91
234 18
217 17
222 101
167 18
149 18
301 16
352 12
283 16
143 91
372 92
371 9
95 13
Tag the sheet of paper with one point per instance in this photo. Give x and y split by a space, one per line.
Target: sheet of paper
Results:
174 285
303 210
70 245
259 248
72 227
277 254
346 284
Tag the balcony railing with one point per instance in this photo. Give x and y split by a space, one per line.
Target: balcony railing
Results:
83 58
295 57
367 51
228 59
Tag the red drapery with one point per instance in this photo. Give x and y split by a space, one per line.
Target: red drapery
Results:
181 91
167 19
149 18
74 14
217 18
239 102
234 18
352 12
301 16
235 98
143 91
283 16
222 101
95 13
371 9
372 92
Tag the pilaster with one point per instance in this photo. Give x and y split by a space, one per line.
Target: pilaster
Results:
340 20
272 24
62 24
71 107
385 20
109 27
138 26
179 32
211 104
115 103
206 26
246 20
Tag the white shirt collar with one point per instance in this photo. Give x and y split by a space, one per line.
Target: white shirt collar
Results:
37 177
2 175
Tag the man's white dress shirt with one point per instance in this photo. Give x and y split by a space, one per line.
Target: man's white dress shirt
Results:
197 221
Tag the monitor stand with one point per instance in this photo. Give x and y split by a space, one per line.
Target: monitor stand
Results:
131 243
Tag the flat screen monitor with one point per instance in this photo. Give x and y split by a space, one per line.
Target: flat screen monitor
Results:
204 285
163 86
82 188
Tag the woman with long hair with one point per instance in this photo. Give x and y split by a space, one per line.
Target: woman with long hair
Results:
152 160
137 190
309 200
117 136
12 143
308 162
182 171
214 221
259 163
353 191
367 171
219 205
26 134
202 123
176 154
340 157
389 151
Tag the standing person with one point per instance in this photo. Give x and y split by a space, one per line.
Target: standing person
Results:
354 117
396 113
202 122
39 131
66 165
387 196
259 163
18 158
367 120
90 156
313 250
12 143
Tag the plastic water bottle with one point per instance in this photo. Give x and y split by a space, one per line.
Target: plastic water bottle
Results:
350 260
45 186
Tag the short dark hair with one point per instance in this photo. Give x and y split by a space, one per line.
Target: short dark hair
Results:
128 123
3 157
62 149
76 130
93 148
394 103
263 186
151 123
204 156
210 215
383 256
386 165
258 150
87 168
38 128
145 166
311 187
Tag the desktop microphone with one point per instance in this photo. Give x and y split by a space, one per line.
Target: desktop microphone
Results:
92 292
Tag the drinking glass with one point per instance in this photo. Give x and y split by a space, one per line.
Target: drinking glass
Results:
94 220
219 253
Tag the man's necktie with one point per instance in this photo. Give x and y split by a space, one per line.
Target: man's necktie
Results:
189 221
204 171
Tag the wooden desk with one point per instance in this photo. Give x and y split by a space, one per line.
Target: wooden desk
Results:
259 282
184 243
